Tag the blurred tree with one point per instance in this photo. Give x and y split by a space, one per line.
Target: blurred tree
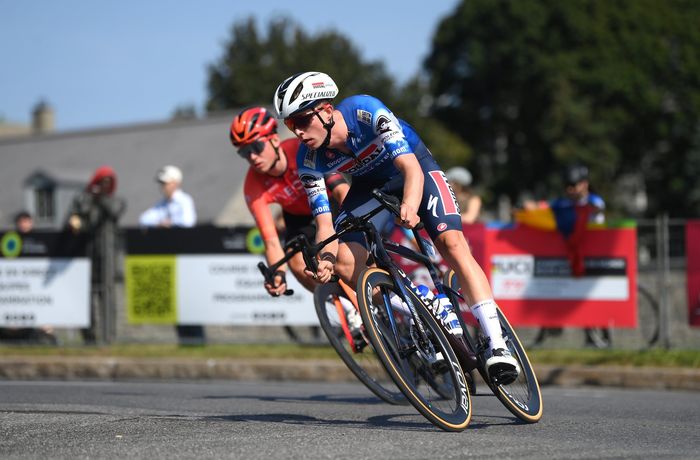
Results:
535 84
253 64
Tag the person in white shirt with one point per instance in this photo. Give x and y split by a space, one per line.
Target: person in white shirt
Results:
176 209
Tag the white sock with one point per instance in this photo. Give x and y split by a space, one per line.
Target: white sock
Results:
397 304
485 313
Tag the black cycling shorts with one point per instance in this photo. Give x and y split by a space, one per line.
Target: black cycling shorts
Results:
438 210
297 225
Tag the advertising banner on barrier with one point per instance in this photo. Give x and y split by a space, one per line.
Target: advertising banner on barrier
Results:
44 280
692 244
207 276
532 279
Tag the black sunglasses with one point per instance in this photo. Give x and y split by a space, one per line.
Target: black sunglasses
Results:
257 147
301 121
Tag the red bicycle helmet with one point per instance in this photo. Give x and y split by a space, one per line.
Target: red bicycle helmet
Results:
251 124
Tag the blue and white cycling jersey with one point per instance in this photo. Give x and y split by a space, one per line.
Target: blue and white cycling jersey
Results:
375 137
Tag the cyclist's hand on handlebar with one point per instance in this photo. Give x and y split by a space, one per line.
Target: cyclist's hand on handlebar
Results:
279 287
409 216
324 272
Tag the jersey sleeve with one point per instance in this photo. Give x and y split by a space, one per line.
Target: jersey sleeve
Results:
312 180
257 202
388 130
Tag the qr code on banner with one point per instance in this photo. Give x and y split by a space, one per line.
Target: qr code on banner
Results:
151 290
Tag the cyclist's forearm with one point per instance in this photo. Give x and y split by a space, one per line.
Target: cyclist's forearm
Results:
324 230
274 252
413 180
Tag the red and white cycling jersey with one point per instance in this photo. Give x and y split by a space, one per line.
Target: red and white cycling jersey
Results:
261 190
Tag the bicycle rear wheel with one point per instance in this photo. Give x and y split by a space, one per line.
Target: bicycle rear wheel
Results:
422 363
356 354
523 397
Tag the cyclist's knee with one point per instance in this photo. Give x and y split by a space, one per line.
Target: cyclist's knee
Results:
347 266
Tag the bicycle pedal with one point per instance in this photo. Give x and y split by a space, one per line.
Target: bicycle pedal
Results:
439 364
505 377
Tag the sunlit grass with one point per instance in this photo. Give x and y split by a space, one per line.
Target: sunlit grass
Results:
238 351
654 357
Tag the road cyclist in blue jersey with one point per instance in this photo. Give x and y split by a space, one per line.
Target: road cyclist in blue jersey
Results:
361 137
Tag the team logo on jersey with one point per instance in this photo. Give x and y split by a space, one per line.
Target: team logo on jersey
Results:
367 156
383 124
447 195
442 226
308 180
310 158
365 117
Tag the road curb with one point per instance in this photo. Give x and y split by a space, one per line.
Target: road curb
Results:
77 368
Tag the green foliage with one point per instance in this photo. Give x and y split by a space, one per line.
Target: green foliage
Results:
254 64
535 84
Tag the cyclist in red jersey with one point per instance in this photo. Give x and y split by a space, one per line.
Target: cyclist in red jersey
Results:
273 178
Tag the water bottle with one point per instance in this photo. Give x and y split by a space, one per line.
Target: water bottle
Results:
446 313
442 309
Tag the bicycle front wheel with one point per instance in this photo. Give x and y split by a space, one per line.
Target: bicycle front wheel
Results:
417 356
523 397
357 355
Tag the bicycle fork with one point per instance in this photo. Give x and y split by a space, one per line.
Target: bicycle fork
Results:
466 357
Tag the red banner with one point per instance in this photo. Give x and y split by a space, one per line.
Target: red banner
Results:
532 280
692 244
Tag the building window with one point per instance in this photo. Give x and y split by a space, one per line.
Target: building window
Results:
45 209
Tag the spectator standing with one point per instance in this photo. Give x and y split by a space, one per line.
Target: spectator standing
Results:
573 211
96 212
175 209
469 202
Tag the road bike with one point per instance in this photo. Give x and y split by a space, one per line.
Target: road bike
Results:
521 397
424 360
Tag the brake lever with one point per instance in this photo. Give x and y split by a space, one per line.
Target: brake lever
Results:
394 205
270 278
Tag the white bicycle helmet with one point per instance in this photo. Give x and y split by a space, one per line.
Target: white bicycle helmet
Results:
302 91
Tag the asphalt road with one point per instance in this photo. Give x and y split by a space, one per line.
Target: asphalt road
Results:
264 420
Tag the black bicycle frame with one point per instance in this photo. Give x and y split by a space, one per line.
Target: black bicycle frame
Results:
379 248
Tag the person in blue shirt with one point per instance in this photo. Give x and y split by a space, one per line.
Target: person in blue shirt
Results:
361 137
573 211
577 195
